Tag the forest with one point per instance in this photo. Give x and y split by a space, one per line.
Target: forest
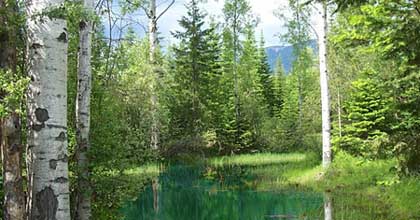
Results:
103 117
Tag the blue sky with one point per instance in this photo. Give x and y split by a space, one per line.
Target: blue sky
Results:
269 24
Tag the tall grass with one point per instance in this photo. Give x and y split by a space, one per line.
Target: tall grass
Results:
361 189
258 159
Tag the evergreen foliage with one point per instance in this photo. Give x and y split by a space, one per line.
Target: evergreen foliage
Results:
367 111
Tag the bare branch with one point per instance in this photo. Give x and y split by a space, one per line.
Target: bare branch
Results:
166 9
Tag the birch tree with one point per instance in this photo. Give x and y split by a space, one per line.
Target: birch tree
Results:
153 44
325 97
47 160
84 78
10 126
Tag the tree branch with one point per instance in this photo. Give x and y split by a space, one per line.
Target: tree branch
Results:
166 9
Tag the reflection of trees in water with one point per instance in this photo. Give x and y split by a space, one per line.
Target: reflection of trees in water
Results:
155 189
183 193
328 208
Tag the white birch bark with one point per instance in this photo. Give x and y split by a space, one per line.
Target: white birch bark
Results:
152 30
328 207
154 141
47 160
84 77
325 97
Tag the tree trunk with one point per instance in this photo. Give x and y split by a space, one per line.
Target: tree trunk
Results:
84 77
325 98
339 113
152 30
47 160
10 127
154 141
11 145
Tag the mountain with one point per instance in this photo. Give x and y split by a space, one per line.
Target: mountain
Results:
286 55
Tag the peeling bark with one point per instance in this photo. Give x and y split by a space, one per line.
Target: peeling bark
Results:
10 127
11 152
84 78
48 186
325 96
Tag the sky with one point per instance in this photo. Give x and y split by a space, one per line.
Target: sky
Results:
269 24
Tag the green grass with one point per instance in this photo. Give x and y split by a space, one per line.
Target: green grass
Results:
373 187
360 189
274 171
258 159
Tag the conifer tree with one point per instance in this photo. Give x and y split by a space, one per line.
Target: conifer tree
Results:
266 77
195 66
367 111
237 16
251 93
278 83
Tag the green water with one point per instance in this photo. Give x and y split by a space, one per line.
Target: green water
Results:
228 193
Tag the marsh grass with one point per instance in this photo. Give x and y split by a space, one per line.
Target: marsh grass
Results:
360 189
259 159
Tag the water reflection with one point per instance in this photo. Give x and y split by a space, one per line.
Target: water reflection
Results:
328 207
155 189
187 193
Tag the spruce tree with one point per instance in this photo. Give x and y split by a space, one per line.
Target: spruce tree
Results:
237 16
278 83
367 112
251 93
266 79
195 66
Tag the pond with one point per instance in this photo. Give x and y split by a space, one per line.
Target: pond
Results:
221 193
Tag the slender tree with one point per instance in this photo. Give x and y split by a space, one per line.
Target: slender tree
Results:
47 160
266 78
154 141
84 77
298 36
193 69
153 17
10 126
325 97
236 14
278 81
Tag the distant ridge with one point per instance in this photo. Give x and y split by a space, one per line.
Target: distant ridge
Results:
286 55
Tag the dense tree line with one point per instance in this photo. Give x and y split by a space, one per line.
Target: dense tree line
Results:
94 104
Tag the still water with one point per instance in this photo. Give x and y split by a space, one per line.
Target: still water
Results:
228 193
